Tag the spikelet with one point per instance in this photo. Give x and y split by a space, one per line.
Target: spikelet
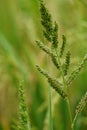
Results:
24 123
46 21
50 31
54 46
54 83
55 36
14 124
76 71
44 48
81 104
49 52
80 107
63 45
67 63
54 59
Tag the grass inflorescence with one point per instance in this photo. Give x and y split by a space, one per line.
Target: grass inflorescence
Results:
24 123
50 33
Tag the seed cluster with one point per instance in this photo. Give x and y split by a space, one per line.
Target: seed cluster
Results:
50 31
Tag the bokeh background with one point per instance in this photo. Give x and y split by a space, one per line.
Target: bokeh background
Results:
20 27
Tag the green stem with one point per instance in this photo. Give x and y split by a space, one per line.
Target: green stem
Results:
73 123
50 110
65 87
70 115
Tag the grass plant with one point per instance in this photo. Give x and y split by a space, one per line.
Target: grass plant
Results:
55 104
50 33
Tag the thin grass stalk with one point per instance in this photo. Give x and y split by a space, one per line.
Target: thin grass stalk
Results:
65 88
50 109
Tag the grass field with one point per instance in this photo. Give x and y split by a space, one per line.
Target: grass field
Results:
20 27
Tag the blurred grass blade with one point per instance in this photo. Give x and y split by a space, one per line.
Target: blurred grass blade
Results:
11 54
84 2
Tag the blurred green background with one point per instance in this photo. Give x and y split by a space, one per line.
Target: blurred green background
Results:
19 28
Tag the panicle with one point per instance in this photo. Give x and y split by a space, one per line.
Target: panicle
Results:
55 36
63 46
54 83
46 21
80 107
24 123
76 71
67 63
